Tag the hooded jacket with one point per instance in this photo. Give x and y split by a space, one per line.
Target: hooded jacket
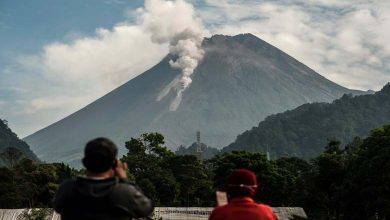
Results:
100 199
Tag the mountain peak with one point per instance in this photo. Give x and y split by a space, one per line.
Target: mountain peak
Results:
249 38
238 37
249 45
246 39
241 80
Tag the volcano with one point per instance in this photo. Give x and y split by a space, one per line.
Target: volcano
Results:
240 80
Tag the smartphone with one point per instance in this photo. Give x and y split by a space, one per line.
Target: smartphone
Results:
221 198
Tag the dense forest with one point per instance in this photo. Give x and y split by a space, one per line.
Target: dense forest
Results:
343 182
9 139
304 131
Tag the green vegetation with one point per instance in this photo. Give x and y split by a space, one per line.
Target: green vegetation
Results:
9 139
29 184
169 179
36 214
303 132
343 182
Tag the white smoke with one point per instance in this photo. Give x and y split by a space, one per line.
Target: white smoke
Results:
174 22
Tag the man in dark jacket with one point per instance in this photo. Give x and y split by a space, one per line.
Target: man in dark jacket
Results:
242 187
104 193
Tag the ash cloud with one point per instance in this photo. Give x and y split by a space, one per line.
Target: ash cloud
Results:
175 23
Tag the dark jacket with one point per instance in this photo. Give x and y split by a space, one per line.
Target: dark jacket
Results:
111 198
243 208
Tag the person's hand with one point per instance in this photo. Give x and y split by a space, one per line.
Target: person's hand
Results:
120 169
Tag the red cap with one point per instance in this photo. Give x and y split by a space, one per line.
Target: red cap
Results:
244 179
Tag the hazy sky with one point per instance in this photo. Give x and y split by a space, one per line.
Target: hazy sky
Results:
59 55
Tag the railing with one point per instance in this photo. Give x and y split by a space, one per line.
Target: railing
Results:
182 213
160 213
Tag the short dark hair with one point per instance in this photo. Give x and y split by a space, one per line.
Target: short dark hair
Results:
100 155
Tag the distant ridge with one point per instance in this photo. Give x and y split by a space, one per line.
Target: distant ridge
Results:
305 131
239 82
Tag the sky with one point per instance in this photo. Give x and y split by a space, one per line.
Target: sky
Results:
58 56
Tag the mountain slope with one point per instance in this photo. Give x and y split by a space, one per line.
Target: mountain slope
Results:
305 130
239 82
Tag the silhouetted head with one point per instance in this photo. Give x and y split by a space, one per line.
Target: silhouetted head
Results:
100 155
242 183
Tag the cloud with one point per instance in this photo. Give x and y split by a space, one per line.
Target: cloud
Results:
105 61
166 20
343 40
80 69
112 57
65 77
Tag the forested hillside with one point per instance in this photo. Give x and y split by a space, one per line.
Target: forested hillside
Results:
304 131
9 139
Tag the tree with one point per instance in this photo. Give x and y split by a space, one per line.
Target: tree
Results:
31 184
146 153
11 156
195 184
367 189
324 183
148 162
267 174
169 179
333 147
292 170
10 139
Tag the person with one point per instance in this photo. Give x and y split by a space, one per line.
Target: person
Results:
104 193
241 189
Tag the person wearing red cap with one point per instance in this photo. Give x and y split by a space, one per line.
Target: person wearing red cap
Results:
241 189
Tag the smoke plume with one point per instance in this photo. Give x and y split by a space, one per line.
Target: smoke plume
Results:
175 23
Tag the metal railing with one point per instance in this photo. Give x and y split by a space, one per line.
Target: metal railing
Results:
160 213
182 213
